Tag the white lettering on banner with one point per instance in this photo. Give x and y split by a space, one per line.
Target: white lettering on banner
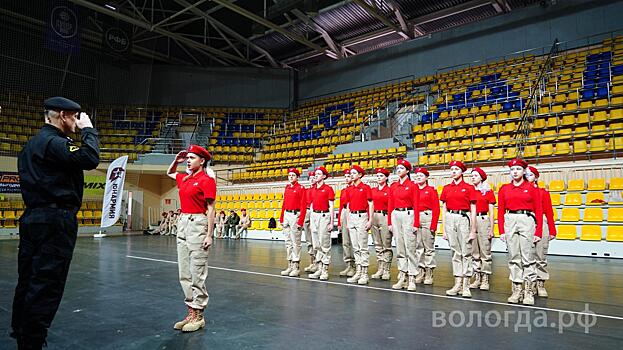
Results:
115 178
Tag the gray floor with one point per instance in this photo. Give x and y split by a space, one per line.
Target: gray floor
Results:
113 301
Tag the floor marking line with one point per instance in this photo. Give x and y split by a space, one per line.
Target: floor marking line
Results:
392 290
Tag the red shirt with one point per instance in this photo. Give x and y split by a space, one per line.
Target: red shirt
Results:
294 198
309 196
195 191
548 211
429 200
522 197
483 201
403 195
359 196
458 196
380 197
321 197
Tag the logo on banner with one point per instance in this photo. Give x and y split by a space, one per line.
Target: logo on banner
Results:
116 173
117 40
9 183
64 22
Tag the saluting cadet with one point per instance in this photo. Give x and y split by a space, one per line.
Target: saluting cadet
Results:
481 246
380 232
520 220
312 240
293 211
428 211
360 210
342 225
459 214
322 222
402 206
549 233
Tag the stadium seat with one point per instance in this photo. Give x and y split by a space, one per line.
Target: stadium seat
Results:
556 186
573 199
596 184
593 215
614 233
595 198
615 214
570 215
566 232
555 199
591 233
616 183
575 185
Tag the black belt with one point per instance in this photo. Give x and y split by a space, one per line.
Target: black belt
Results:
344 206
461 212
483 213
358 211
292 211
384 212
527 212
403 209
321 211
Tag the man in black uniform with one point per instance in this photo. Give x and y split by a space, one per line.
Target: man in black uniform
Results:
52 180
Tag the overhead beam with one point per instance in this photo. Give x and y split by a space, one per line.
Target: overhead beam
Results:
381 17
451 11
268 24
185 9
148 26
501 6
231 32
336 48
401 19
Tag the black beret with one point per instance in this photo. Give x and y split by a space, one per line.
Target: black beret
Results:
61 103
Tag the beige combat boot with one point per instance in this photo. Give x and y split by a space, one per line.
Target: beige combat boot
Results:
528 295
428 278
363 279
182 323
379 271
402 281
356 276
312 265
516 295
420 275
465 292
387 275
411 287
349 271
484 284
295 269
477 281
540 289
287 271
196 323
324 275
456 288
316 274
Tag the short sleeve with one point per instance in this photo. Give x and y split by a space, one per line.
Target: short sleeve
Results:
473 195
179 178
491 197
443 194
208 186
331 193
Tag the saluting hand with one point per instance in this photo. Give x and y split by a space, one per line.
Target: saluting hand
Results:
181 156
84 121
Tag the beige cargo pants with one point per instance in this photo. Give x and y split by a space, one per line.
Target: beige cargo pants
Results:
292 236
382 238
193 259
519 231
457 232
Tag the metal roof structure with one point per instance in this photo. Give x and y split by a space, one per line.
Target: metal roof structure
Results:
279 33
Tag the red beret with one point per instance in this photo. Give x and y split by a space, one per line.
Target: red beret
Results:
459 164
533 170
481 172
405 163
347 171
358 169
324 171
200 151
312 173
522 163
294 170
381 171
422 170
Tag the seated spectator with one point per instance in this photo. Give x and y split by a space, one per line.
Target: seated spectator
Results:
220 224
243 224
230 224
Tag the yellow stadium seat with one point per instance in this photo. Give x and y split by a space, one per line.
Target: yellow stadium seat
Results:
575 185
616 183
591 233
595 198
614 234
497 154
593 215
546 150
615 214
566 232
580 147
556 186
555 198
596 184
570 215
573 199
562 148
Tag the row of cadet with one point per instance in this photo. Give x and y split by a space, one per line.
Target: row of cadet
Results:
232 226
408 212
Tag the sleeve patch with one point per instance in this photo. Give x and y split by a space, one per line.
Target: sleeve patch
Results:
73 148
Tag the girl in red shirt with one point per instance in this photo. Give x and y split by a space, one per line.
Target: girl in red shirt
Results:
549 233
380 232
481 246
429 216
194 233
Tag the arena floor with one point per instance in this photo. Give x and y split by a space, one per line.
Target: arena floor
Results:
123 293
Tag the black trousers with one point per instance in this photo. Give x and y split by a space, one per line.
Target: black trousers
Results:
47 241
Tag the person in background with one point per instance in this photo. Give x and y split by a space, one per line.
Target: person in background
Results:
162 226
170 223
230 225
220 224
243 224
481 246
549 233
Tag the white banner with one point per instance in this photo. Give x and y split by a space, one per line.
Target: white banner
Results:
114 191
